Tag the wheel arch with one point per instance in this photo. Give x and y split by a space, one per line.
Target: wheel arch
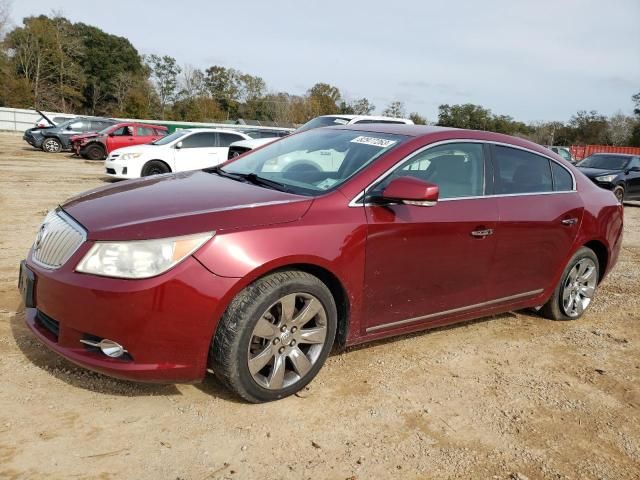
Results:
601 251
326 276
156 160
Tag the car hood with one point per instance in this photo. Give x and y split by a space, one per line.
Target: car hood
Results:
180 204
597 172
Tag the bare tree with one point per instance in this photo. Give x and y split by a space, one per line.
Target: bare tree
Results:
620 128
395 109
122 85
5 16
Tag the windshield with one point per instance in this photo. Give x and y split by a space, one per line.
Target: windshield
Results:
106 130
323 122
605 162
314 162
170 138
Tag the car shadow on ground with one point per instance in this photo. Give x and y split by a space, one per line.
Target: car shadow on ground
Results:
76 376
80 377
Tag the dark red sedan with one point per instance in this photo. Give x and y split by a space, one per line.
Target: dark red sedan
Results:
332 236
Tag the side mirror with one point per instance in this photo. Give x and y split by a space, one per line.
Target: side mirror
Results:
411 191
69 127
634 169
112 134
179 145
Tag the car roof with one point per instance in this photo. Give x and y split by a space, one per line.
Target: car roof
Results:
138 124
612 154
446 133
222 130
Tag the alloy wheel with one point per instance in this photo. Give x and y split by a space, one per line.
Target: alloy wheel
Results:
52 146
287 341
579 287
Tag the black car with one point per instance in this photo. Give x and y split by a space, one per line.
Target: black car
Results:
614 171
56 139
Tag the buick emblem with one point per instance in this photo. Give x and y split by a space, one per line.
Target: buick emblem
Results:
42 232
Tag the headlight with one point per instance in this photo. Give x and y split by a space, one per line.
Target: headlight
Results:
139 259
606 178
130 156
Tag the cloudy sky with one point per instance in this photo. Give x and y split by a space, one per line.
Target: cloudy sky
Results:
534 60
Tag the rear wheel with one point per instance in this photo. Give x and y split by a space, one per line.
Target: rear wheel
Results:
619 193
576 288
155 167
51 145
95 152
275 336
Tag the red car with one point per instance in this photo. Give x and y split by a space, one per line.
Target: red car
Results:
256 271
97 145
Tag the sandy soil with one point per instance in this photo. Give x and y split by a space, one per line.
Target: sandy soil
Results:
513 396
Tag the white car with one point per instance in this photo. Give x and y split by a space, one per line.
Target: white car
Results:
191 149
320 160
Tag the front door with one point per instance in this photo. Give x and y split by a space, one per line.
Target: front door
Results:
424 264
196 151
633 179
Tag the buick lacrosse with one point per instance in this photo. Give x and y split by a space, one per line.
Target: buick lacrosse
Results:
256 268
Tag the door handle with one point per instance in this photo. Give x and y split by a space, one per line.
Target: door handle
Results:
482 233
569 221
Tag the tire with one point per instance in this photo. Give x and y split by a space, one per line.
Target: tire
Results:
155 167
95 152
51 145
264 334
619 193
576 287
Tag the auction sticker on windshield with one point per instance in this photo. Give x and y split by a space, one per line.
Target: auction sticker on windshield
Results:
376 142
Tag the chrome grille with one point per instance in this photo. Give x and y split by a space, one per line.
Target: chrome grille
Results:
58 238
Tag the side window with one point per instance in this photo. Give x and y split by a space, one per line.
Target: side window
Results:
145 131
79 125
635 162
97 126
518 171
200 140
119 132
226 139
162 133
562 180
564 154
457 169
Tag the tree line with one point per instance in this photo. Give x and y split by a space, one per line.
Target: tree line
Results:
50 63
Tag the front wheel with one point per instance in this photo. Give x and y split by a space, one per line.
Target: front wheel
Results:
619 193
576 288
275 336
51 145
155 167
95 152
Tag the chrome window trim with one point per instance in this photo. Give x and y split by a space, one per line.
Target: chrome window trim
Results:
454 310
358 197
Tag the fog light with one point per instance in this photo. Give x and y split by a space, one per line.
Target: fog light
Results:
108 347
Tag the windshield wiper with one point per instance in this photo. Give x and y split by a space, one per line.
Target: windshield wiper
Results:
251 178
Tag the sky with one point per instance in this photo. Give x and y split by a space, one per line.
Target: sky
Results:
534 60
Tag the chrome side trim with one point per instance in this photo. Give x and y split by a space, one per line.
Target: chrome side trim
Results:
357 198
455 310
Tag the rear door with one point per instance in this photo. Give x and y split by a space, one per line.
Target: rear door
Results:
539 216
145 135
426 264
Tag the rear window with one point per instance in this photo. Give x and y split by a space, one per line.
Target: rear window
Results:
519 171
323 122
562 180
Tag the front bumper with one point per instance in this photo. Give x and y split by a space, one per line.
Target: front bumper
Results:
165 323
120 169
35 142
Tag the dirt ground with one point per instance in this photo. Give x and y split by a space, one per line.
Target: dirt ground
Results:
508 397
